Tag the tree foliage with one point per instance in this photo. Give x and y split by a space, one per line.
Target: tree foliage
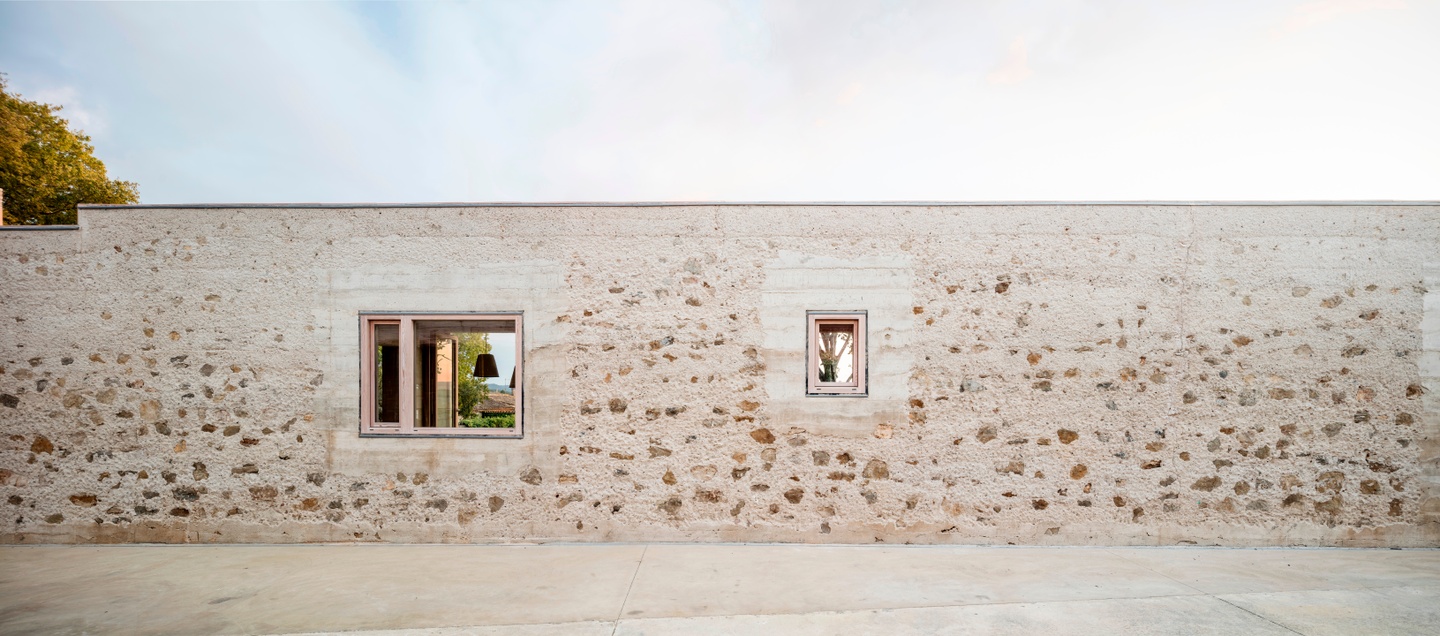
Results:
473 390
46 169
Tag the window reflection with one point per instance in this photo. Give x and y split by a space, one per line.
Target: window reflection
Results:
454 369
837 352
387 373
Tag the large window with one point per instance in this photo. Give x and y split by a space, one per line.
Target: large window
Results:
441 374
835 353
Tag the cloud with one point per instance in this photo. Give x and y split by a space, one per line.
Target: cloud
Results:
737 100
1316 12
1015 68
72 109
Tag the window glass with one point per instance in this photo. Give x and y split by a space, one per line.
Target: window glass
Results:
457 366
386 343
837 352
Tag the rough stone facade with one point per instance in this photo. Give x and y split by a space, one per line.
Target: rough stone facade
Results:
1040 374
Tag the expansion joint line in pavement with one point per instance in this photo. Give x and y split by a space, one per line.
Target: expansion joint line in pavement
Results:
1216 597
621 612
1247 611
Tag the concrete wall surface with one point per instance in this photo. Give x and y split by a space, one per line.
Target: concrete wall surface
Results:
1118 374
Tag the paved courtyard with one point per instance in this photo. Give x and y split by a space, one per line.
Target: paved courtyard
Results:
714 589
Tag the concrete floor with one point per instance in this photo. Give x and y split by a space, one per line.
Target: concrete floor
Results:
714 589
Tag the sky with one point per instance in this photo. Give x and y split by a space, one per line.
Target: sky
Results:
691 100
502 346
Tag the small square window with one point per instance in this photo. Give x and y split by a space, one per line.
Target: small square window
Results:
835 353
441 374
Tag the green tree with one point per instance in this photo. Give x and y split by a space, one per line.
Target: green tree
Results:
473 390
46 169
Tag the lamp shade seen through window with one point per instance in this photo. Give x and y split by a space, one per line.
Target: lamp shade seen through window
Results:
485 366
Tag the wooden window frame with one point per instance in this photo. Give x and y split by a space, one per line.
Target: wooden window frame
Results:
406 428
861 360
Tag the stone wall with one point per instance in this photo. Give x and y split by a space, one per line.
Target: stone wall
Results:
1043 374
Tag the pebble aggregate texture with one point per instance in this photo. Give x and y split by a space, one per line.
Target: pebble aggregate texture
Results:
1073 374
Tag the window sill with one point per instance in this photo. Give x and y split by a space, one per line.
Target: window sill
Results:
500 433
